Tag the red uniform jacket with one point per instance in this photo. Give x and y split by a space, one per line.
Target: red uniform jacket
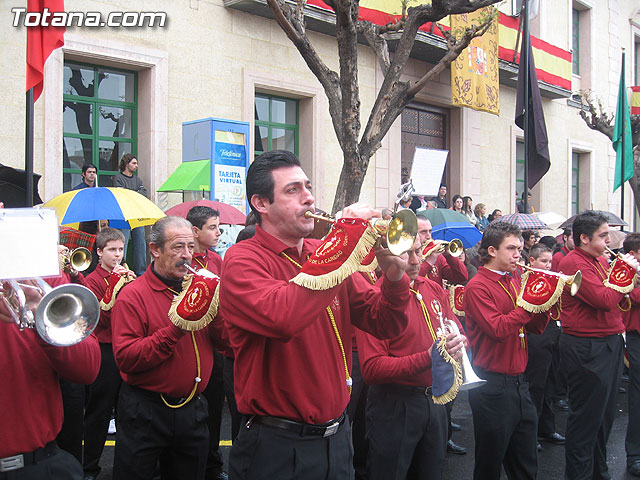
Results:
150 351
555 261
96 281
30 400
448 268
593 312
288 362
493 323
631 318
405 359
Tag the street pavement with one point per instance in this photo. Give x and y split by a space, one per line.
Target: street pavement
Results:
550 459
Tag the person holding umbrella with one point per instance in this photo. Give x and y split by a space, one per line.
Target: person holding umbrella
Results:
126 179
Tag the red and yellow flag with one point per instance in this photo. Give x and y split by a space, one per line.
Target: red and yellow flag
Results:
635 100
474 74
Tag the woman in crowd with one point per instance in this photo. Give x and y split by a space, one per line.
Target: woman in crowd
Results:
480 213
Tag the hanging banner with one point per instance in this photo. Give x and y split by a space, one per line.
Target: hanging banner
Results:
635 100
474 74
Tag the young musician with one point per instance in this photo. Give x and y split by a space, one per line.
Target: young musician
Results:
631 320
540 357
291 343
591 347
206 233
439 266
504 416
398 371
102 394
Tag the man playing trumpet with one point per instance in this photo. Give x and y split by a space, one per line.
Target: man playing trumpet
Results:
292 344
161 414
591 344
504 417
399 373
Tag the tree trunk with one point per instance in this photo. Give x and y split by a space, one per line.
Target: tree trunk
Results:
350 182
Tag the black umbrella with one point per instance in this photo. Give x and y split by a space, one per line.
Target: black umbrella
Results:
13 184
612 219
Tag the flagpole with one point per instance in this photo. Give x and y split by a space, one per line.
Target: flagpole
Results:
622 181
524 50
28 149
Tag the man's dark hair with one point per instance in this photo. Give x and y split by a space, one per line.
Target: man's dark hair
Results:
246 233
632 242
86 167
107 235
567 231
422 217
200 214
549 241
493 236
259 178
526 234
124 161
587 223
538 249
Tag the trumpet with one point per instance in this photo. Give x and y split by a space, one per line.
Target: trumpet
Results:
573 281
78 259
469 378
453 248
64 316
202 271
617 255
399 232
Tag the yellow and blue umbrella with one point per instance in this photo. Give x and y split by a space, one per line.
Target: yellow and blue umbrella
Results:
122 207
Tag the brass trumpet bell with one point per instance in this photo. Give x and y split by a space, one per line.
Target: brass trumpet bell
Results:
80 259
574 281
454 247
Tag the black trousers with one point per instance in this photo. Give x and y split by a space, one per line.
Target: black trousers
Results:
538 375
504 423
632 443
406 432
593 367
266 453
48 463
101 398
236 418
70 436
149 431
356 409
215 399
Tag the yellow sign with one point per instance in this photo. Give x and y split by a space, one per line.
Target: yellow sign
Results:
474 74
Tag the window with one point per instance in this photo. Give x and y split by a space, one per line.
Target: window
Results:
575 183
519 168
277 124
575 41
99 120
423 126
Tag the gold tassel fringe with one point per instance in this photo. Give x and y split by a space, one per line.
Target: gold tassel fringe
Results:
452 303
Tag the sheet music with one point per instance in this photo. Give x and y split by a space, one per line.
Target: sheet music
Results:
426 171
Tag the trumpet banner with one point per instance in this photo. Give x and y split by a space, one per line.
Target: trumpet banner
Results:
114 283
429 248
197 304
539 291
474 74
446 373
346 249
621 277
456 299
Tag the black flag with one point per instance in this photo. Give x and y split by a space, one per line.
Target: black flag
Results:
538 147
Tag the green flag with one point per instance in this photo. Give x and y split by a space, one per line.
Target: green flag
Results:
622 136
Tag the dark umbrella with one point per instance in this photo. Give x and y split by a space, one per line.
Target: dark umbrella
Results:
13 184
612 219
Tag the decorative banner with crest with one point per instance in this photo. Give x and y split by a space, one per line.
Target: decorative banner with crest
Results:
346 249
446 373
621 276
197 304
456 297
474 74
114 283
539 291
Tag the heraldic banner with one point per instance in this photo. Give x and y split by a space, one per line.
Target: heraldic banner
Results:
474 74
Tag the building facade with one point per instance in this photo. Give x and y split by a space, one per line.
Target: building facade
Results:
111 91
